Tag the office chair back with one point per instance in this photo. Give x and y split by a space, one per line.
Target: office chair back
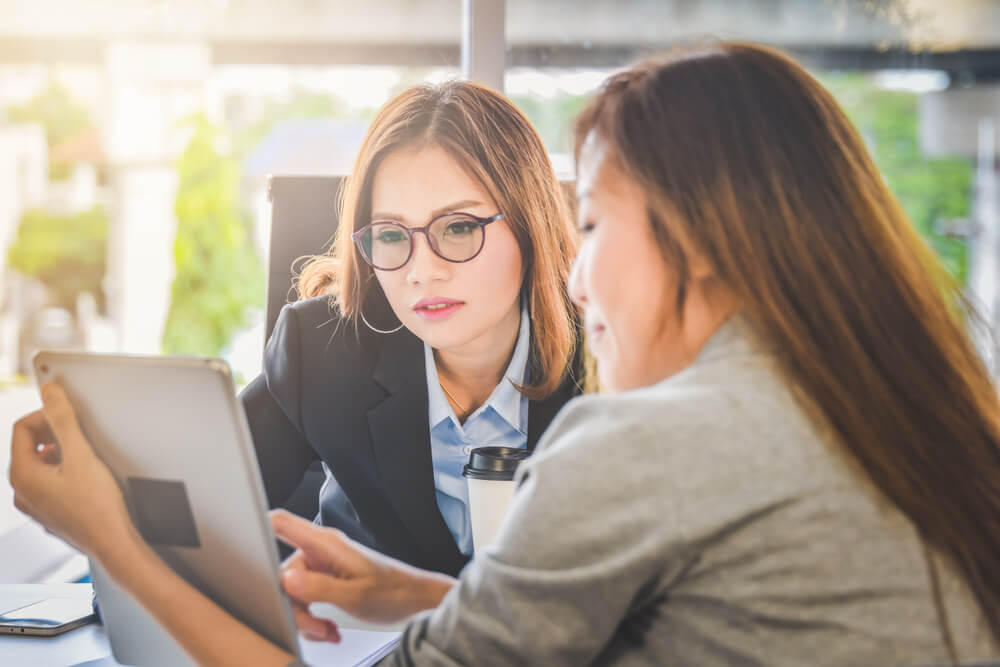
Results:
303 223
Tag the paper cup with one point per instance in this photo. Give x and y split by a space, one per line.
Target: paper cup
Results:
488 505
490 476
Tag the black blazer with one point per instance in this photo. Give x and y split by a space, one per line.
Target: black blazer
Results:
358 401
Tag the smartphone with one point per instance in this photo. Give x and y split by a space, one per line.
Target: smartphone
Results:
48 617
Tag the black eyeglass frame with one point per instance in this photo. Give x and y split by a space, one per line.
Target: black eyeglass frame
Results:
482 222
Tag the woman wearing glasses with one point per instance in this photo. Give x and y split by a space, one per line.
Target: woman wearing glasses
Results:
439 322
800 467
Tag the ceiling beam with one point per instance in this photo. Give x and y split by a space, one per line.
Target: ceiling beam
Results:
966 65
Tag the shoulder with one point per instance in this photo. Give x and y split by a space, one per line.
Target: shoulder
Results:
697 400
725 420
316 328
313 345
317 312
629 423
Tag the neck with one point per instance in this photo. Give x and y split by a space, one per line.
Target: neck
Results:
711 306
471 372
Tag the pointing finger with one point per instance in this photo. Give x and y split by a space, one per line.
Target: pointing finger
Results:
305 536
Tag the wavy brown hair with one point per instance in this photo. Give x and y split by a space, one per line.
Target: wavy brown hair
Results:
494 142
749 161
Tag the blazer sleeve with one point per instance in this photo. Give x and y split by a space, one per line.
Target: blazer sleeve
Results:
272 407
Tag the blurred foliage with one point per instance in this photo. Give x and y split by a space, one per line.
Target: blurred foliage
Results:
219 277
14 382
66 253
930 190
61 116
553 118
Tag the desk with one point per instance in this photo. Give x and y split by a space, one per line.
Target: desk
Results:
88 646
83 645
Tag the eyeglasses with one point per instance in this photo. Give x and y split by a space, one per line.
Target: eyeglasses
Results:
456 237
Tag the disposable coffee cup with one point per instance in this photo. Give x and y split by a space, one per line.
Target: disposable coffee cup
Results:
490 476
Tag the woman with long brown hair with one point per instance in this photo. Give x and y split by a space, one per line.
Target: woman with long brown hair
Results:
799 459
439 321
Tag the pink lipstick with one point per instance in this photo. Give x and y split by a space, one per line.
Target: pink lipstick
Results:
437 308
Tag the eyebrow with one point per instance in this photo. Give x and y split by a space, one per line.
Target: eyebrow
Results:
450 208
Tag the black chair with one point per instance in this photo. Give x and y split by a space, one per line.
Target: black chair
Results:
303 223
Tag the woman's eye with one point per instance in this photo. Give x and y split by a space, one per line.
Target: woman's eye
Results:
392 236
460 228
586 228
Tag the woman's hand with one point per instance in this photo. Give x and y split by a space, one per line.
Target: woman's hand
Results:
60 482
329 567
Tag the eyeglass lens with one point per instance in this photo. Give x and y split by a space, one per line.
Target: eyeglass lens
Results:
457 238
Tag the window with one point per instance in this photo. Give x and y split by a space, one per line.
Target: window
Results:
156 152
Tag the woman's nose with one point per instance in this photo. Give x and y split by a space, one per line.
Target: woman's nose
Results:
424 265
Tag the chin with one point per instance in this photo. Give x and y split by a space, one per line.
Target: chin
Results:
441 339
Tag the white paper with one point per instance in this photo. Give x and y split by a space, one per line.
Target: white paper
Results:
356 647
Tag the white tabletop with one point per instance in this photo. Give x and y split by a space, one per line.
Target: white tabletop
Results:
89 645
83 645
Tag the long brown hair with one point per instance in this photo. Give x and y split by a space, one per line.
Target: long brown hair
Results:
490 138
749 161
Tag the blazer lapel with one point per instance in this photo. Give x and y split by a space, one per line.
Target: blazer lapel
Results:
400 434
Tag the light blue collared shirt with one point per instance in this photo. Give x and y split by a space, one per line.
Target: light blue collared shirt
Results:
501 421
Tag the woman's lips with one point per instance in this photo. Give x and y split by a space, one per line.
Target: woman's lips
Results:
436 309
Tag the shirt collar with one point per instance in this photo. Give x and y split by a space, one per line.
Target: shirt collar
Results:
505 399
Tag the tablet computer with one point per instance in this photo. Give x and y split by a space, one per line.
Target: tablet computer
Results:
174 435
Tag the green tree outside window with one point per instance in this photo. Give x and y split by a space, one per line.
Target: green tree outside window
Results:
61 116
219 278
930 190
66 253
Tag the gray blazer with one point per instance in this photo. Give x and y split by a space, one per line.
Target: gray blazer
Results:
701 521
